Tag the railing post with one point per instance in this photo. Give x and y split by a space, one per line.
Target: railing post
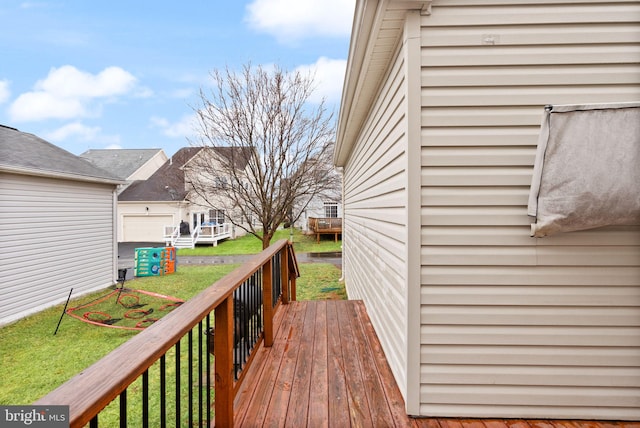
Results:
267 302
292 273
292 278
223 344
284 273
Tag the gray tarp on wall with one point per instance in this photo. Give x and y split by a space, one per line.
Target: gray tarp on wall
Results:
587 168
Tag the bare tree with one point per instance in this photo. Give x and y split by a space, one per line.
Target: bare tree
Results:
268 149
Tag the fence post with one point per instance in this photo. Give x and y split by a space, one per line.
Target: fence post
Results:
284 274
223 344
292 273
267 302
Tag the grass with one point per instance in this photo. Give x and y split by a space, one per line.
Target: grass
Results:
33 361
320 281
249 244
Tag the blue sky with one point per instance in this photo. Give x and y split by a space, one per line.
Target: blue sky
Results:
95 74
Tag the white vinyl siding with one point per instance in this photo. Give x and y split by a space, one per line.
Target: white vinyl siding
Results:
57 235
514 326
375 226
145 228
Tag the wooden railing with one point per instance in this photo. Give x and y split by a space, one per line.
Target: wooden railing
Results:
325 225
187 336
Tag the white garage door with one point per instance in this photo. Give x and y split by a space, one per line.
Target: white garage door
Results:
145 228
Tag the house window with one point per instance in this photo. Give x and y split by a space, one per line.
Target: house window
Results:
331 209
216 216
221 182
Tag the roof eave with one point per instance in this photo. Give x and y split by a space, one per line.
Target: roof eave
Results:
356 99
59 175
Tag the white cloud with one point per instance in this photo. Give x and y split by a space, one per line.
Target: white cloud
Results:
297 19
68 81
4 91
77 131
183 128
144 92
113 147
328 76
32 5
68 93
42 105
74 130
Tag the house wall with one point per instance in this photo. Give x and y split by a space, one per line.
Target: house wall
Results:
513 326
375 219
316 209
145 221
57 235
151 166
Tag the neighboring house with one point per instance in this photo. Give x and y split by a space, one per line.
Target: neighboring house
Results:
437 137
149 209
127 164
209 180
145 207
320 207
58 221
326 205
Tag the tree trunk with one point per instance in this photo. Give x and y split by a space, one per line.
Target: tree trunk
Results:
266 239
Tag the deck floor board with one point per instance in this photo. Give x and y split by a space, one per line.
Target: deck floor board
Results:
326 368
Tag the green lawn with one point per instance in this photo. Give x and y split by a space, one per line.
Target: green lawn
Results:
33 361
249 244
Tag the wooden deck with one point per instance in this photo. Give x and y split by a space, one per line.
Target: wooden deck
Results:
326 226
327 368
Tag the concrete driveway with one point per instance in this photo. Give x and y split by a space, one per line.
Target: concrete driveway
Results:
126 256
126 252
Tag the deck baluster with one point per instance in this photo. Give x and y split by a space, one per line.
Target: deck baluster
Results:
178 378
123 409
190 376
208 357
200 373
145 399
163 392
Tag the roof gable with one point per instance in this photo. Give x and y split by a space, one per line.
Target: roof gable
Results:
121 162
166 184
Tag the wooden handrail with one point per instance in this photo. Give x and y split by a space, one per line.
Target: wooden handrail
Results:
94 388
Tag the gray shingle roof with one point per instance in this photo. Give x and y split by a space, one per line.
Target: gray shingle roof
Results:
22 152
123 162
166 184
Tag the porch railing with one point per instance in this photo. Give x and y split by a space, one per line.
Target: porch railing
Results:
163 375
171 233
214 231
325 226
201 233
